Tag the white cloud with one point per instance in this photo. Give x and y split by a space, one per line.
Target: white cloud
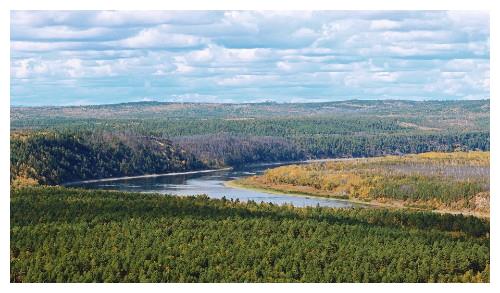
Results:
183 68
241 55
120 18
159 38
385 76
108 18
71 68
43 46
285 66
196 97
28 67
159 72
59 32
74 67
384 24
40 18
470 21
304 33
244 80
246 19
436 36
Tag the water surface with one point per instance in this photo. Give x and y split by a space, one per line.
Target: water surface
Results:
212 184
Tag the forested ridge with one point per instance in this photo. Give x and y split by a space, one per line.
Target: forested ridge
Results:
213 135
71 235
54 157
57 157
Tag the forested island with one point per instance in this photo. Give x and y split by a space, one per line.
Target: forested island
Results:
405 159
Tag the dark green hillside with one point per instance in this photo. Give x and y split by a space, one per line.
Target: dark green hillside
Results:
68 235
320 146
55 157
219 150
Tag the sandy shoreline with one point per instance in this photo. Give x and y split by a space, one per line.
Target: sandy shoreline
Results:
235 184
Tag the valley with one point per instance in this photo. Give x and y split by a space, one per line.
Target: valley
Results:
351 191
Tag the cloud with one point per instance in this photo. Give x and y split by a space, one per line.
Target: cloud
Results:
245 80
385 76
158 37
384 24
111 18
63 33
26 67
19 46
62 57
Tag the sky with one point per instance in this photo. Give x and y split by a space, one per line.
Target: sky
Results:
105 57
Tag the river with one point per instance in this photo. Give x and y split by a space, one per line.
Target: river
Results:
212 183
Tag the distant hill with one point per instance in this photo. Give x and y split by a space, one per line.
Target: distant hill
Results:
257 110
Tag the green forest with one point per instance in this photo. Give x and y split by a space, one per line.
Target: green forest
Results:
73 235
61 234
54 158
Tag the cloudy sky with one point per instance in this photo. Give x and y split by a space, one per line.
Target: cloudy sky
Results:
101 57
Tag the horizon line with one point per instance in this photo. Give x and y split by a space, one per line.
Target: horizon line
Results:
244 103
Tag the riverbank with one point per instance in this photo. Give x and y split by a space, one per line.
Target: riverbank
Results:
145 176
237 184
385 203
204 171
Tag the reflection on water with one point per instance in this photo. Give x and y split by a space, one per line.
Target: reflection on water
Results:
212 184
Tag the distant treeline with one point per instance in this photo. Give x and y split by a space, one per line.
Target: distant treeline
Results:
147 110
388 144
226 149
295 125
